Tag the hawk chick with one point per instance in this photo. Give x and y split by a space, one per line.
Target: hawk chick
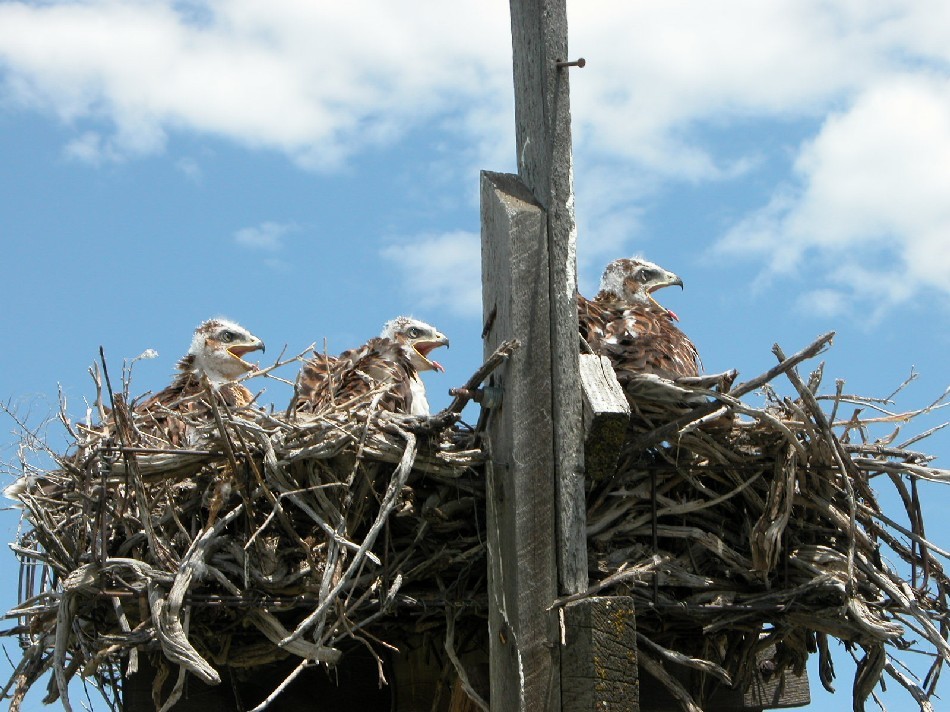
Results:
389 364
625 323
216 356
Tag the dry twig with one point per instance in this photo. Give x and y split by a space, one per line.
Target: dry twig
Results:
287 536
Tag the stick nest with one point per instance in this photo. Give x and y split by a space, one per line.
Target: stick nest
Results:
269 536
749 536
736 529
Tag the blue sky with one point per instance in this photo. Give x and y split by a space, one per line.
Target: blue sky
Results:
311 170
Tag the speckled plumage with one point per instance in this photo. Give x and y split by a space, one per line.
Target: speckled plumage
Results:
388 365
625 323
215 359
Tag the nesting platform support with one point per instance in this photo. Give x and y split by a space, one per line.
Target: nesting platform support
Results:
537 544
545 168
606 416
522 564
541 658
599 659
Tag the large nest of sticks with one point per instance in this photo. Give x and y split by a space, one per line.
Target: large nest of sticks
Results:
749 536
269 536
735 528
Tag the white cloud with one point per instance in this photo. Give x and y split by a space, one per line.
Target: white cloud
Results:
277 265
657 71
824 302
869 212
314 80
321 81
268 236
87 148
441 270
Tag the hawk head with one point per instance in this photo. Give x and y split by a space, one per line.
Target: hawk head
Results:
218 348
415 340
632 280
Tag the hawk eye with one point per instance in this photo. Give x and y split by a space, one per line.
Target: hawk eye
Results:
228 336
647 274
414 332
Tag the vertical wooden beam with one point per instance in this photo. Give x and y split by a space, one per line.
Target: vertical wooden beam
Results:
545 166
522 563
536 507
599 660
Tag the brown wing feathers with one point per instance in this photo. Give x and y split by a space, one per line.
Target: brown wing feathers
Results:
628 326
354 378
384 371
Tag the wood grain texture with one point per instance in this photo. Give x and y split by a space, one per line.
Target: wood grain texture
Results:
545 166
599 662
606 415
522 566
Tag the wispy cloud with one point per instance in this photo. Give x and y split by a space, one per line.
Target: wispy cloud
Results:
659 71
268 236
868 210
190 168
308 79
86 148
441 270
320 83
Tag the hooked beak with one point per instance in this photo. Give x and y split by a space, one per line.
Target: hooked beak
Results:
238 351
424 348
670 280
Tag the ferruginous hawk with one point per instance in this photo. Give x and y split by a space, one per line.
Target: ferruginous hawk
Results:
387 366
215 358
625 323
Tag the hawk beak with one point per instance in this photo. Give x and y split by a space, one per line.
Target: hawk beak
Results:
238 351
670 281
424 348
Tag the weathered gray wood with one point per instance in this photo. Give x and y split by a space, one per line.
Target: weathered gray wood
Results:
522 565
772 694
542 100
606 415
545 165
599 661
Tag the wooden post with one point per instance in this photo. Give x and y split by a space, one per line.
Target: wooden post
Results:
599 663
522 563
542 658
536 516
545 166
536 509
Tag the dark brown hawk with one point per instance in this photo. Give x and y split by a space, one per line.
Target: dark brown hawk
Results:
216 360
385 369
625 323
